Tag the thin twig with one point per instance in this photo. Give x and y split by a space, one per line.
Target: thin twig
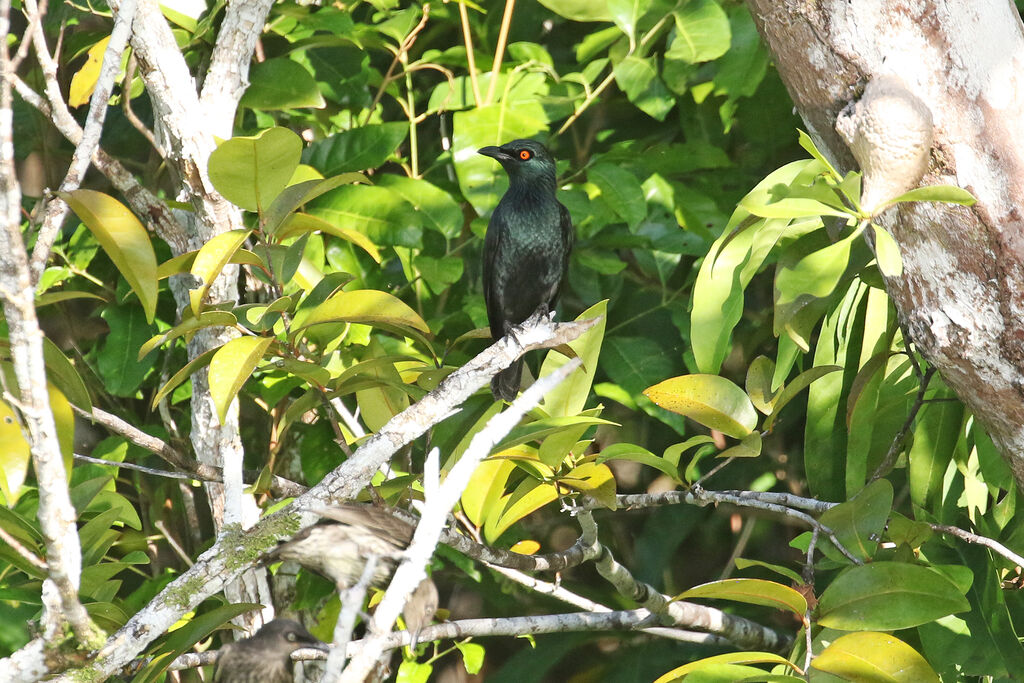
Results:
467 37
499 50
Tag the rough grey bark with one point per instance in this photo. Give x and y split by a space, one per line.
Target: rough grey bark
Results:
960 294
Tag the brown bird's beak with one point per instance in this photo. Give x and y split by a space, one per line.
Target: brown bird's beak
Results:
494 153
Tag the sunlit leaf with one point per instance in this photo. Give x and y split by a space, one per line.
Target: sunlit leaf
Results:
210 261
713 401
874 657
231 366
252 171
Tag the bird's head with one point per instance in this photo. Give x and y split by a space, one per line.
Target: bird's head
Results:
284 636
523 159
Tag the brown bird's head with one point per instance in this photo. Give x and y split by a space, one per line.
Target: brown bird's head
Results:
266 656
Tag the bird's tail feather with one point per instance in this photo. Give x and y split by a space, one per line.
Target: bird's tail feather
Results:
505 385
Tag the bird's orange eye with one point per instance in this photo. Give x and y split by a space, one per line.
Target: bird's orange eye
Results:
524 154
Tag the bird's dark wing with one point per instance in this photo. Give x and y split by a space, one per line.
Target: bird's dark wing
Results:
497 230
375 520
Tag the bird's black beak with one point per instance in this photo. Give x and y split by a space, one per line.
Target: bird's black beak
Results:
494 153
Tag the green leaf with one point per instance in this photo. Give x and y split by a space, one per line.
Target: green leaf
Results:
472 657
528 497
357 149
14 456
377 212
759 384
411 671
280 83
626 13
751 591
935 439
121 372
874 657
622 190
440 211
210 261
231 366
858 523
367 306
638 78
702 32
886 596
579 10
743 563
569 397
711 663
294 196
200 361
748 447
252 171
593 479
790 391
887 252
628 451
950 194
123 238
713 401
299 223
188 327
65 377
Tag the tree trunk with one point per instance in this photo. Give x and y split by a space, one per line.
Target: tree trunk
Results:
961 294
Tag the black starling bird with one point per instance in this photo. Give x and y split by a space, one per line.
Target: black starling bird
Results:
526 251
338 547
266 656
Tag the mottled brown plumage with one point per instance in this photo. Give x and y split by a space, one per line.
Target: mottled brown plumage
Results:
266 656
339 545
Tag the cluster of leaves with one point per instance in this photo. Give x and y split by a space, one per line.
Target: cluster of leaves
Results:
361 257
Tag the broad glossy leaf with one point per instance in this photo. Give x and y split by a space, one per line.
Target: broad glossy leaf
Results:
434 205
303 222
85 79
358 149
950 194
751 591
14 456
124 240
874 657
626 13
295 195
485 489
935 438
121 371
702 32
593 479
377 212
713 401
731 658
888 596
188 327
377 405
569 397
252 171
367 306
281 83
887 252
210 261
628 451
65 377
472 656
638 78
579 10
231 366
748 447
858 523
200 361
743 563
622 190
759 384
790 391
529 496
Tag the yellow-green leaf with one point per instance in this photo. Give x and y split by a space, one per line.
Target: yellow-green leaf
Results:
872 656
713 401
200 361
729 658
14 456
210 260
252 171
887 253
597 481
303 222
188 328
750 591
85 79
231 366
123 238
485 488
367 306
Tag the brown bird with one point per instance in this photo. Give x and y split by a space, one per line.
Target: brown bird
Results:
266 656
339 545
